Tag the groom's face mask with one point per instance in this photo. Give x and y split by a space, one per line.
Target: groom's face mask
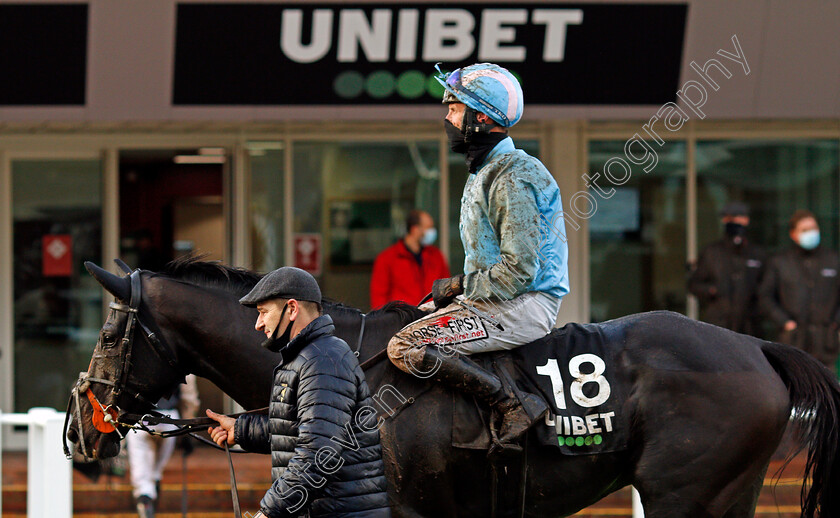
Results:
278 330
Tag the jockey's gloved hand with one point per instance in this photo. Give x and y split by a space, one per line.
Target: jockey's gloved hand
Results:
445 290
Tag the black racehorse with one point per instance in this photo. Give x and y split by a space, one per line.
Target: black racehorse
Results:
709 406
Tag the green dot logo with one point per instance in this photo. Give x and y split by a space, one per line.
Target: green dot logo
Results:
579 441
570 441
597 439
380 84
411 84
588 441
349 84
560 440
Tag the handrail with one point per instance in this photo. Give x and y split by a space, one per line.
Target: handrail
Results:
638 512
49 475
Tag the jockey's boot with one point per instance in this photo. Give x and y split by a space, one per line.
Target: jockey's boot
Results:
463 374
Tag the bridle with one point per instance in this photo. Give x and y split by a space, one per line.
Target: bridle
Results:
110 418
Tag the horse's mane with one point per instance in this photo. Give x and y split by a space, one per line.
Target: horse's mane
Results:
405 311
239 281
212 274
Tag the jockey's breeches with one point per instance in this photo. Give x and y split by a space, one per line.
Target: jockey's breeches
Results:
495 326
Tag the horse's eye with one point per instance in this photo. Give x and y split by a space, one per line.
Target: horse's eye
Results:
108 340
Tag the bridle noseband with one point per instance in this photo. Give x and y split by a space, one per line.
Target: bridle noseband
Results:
106 418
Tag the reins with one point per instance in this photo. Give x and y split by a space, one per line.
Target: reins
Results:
110 418
376 358
190 426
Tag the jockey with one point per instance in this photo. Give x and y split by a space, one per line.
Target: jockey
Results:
515 269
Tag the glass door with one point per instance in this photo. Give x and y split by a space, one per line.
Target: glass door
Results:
637 234
57 307
351 200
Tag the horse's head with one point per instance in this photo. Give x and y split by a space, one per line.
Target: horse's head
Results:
131 368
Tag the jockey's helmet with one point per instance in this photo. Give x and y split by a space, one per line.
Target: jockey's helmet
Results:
486 88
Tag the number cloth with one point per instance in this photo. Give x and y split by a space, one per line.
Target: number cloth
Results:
580 379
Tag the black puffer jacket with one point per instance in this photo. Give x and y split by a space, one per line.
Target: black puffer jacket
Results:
726 282
804 286
321 432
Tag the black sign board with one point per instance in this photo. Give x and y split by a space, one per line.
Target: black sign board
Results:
44 54
564 54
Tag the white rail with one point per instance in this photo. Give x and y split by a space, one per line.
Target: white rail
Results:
638 512
49 475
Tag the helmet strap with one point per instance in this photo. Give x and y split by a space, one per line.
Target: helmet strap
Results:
472 126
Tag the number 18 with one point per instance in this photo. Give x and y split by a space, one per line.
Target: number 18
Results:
552 370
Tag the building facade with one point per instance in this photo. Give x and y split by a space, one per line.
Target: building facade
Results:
302 133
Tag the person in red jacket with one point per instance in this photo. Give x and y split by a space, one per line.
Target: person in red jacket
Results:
406 270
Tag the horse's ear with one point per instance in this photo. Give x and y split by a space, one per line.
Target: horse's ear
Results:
119 287
124 267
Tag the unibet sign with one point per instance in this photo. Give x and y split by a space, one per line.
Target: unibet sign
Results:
281 54
449 35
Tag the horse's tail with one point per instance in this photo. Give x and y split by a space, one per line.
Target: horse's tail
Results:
815 397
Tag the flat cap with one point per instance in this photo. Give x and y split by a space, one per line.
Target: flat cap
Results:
735 208
287 282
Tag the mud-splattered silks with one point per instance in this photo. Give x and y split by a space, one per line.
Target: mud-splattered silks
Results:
512 228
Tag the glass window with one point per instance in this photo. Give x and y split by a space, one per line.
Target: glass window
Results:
637 235
355 196
57 305
266 161
774 178
457 179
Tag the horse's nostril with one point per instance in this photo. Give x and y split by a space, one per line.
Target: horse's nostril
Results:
109 449
72 435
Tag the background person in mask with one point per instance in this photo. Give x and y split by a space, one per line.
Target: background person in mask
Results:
406 270
801 291
727 273
516 259
313 418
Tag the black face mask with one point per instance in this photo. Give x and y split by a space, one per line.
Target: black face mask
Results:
736 231
475 145
457 140
276 343
480 146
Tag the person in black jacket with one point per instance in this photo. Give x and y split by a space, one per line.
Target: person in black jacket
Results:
725 279
801 291
321 429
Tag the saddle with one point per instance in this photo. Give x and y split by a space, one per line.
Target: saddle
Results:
575 370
